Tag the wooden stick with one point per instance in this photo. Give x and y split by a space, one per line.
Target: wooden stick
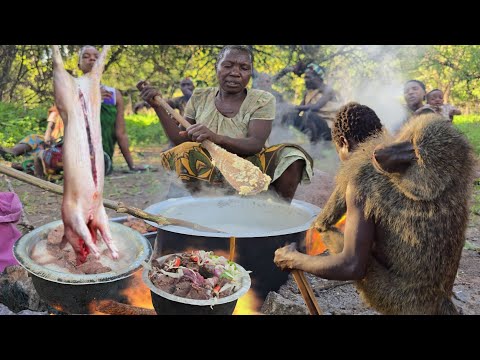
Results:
311 293
111 307
307 292
232 248
117 206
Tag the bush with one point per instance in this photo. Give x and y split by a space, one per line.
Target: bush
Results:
145 129
16 123
470 126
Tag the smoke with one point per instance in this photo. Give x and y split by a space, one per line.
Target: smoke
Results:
174 186
380 84
384 100
325 157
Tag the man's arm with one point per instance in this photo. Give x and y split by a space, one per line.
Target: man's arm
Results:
453 111
121 131
50 127
328 95
351 263
173 103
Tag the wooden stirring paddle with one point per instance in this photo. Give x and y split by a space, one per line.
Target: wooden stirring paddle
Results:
241 174
114 205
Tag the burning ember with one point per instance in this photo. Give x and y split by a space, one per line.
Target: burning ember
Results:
313 239
55 310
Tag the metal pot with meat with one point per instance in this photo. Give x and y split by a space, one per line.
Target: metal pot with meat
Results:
195 283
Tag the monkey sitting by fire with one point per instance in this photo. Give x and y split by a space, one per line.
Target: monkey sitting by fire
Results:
407 206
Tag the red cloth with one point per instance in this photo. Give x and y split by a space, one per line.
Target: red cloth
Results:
10 213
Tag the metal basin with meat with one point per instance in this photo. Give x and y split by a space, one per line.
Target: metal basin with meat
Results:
260 225
75 293
169 304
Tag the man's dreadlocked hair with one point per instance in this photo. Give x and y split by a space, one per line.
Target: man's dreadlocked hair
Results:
356 122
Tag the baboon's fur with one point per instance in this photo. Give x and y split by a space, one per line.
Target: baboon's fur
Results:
333 210
423 212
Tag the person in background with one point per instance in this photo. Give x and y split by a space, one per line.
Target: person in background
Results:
264 81
414 92
315 115
111 115
34 143
235 118
179 103
435 104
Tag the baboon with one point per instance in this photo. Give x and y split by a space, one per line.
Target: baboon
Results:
407 202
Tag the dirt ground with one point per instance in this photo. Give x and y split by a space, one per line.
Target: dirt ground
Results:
143 189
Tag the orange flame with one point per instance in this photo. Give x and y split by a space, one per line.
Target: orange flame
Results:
248 304
313 238
138 294
56 307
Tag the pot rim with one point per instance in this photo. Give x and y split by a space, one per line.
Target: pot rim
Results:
22 247
160 207
246 284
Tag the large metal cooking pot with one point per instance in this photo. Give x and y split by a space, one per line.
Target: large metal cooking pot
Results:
74 293
260 225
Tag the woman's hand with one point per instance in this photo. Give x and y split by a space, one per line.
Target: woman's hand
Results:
106 95
285 257
199 133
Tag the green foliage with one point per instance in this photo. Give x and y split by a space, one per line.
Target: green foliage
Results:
470 126
145 129
26 76
476 198
455 69
17 122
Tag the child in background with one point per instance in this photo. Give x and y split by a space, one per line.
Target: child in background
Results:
435 101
